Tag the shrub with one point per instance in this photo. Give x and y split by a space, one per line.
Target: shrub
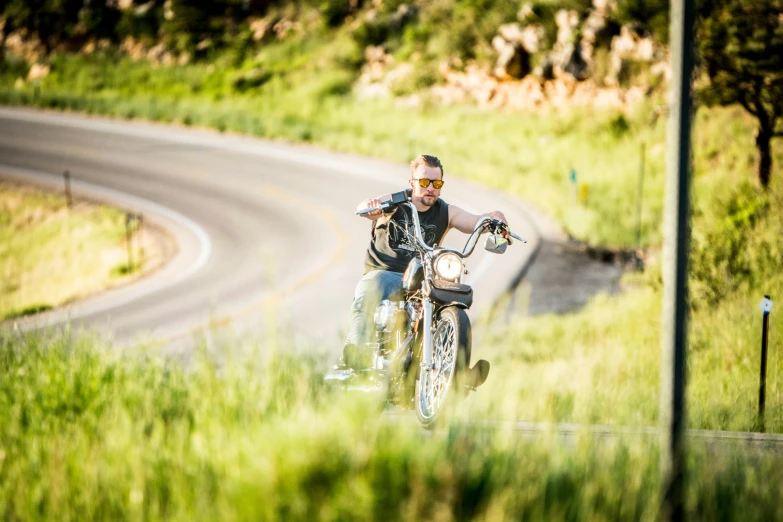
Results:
737 245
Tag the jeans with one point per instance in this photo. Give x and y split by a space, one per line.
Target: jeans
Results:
373 287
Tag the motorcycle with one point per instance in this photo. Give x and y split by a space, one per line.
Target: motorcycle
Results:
422 350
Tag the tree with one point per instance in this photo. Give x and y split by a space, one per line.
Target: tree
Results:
741 49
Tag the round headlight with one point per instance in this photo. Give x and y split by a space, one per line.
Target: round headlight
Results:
448 266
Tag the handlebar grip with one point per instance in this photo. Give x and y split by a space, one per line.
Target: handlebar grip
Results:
370 210
518 238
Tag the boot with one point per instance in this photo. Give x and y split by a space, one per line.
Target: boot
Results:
478 374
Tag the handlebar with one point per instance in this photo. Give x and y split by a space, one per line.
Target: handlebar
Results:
401 198
368 211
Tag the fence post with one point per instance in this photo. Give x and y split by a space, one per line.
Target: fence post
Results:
68 196
140 219
639 200
128 218
765 307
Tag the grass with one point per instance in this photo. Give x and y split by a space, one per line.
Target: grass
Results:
90 434
244 440
50 255
306 97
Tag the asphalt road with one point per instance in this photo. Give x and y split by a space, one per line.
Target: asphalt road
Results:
264 230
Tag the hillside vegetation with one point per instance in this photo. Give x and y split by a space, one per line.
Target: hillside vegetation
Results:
514 95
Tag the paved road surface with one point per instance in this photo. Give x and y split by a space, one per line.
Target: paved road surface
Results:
260 226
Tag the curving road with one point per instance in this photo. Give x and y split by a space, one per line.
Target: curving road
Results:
264 230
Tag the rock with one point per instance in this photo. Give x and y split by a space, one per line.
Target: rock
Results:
372 81
532 38
604 6
513 62
282 27
133 48
511 33
168 10
398 74
529 37
204 44
374 53
546 68
567 22
645 49
597 31
155 54
631 44
38 71
30 49
404 14
19 83
143 9
525 13
576 65
260 27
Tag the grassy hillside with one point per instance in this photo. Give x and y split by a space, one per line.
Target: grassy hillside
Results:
530 154
50 254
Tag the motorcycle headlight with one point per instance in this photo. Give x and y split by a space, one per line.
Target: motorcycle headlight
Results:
383 313
448 266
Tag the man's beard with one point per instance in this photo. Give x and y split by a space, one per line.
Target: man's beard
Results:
425 203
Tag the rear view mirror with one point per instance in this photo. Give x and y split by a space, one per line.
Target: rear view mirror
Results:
496 244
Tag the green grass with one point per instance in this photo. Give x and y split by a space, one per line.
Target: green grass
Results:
306 97
50 255
89 434
242 441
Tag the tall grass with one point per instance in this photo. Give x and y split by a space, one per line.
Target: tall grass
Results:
50 254
90 434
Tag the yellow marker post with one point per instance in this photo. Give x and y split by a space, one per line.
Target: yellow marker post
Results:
583 193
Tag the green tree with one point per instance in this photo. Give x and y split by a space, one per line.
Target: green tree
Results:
652 15
51 21
741 49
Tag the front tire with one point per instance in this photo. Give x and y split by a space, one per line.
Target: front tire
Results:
451 344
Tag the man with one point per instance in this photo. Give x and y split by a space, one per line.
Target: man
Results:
390 251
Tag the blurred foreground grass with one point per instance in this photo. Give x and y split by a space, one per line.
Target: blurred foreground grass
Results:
89 434
50 255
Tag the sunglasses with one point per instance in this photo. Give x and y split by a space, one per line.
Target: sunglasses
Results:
424 183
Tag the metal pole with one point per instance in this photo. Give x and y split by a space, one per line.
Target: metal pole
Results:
140 219
675 265
639 201
763 374
128 241
68 197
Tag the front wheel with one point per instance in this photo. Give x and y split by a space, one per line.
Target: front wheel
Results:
450 358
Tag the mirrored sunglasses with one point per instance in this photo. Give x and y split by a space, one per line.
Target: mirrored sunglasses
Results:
424 182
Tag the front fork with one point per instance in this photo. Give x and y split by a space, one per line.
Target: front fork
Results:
426 362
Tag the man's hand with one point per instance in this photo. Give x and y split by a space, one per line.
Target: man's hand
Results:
370 203
498 215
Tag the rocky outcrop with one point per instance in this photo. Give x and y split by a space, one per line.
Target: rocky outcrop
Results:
632 45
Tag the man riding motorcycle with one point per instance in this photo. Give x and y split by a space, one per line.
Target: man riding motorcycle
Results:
391 249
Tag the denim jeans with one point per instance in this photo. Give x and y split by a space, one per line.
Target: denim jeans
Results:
373 287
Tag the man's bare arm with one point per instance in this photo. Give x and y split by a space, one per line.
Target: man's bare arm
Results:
370 203
465 221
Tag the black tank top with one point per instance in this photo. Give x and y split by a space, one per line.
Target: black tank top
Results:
391 249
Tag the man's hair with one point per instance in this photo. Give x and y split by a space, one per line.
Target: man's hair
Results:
426 159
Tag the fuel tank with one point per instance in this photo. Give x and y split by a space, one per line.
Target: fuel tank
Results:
413 276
